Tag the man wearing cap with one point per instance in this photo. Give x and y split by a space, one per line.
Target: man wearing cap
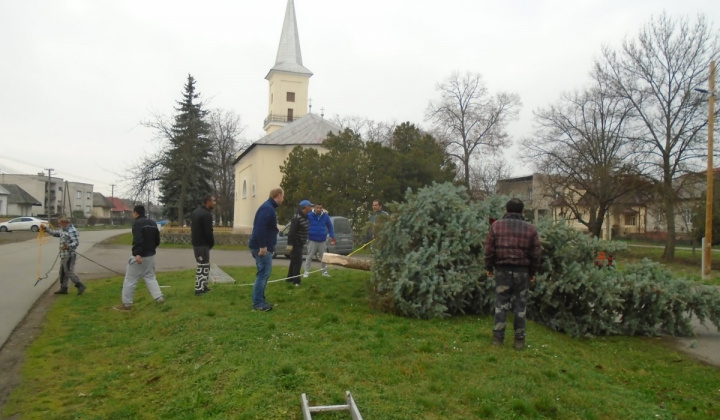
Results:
297 237
320 228
69 241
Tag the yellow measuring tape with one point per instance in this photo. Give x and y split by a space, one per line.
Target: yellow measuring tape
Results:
41 240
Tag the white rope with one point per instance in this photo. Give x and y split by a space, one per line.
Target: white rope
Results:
274 281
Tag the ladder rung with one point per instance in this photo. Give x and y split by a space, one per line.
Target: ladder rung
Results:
329 408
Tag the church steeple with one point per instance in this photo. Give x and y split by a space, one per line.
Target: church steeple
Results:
288 79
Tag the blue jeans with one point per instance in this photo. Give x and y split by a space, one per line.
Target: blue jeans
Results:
264 269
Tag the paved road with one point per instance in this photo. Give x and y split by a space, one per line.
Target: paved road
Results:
20 268
22 263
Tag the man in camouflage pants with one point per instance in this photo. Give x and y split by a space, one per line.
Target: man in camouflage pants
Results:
512 258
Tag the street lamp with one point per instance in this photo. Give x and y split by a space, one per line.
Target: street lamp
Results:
707 248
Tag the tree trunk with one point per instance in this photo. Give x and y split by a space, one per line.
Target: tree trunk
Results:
669 251
341 260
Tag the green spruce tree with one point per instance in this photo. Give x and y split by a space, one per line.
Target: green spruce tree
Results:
187 174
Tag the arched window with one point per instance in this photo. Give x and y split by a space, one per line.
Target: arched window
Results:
244 190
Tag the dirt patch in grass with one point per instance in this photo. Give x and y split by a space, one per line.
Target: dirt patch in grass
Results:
12 354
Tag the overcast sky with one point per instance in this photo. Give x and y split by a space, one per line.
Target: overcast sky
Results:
78 76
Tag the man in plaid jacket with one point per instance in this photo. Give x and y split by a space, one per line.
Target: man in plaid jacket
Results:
512 258
69 241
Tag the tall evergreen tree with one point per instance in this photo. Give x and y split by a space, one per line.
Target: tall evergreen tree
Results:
187 175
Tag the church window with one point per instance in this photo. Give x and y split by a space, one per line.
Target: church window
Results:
291 96
244 190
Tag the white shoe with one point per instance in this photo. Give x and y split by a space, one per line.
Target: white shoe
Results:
306 274
325 274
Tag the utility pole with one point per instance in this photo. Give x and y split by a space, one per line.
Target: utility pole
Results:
47 191
707 250
112 202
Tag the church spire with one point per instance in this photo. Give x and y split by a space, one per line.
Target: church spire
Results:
288 80
289 57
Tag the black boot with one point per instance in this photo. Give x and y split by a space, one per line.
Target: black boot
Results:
61 292
81 288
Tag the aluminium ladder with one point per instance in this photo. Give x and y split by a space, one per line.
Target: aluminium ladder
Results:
350 406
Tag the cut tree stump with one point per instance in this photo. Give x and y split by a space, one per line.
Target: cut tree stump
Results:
349 262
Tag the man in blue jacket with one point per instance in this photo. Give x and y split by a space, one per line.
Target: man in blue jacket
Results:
320 228
262 244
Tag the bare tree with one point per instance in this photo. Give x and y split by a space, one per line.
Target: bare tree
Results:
657 73
469 119
369 130
582 146
225 134
485 174
140 178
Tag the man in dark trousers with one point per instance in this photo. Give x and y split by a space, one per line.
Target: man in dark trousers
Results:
512 258
69 241
146 238
201 229
297 237
262 245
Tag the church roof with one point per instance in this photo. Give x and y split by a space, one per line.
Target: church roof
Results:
289 57
309 130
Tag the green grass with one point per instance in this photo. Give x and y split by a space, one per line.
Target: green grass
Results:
212 357
687 262
126 239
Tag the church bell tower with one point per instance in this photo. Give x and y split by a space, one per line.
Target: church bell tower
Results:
288 80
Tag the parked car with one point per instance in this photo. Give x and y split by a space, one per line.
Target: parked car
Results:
22 223
343 238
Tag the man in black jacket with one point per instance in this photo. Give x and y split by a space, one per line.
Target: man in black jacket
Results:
297 237
146 237
201 229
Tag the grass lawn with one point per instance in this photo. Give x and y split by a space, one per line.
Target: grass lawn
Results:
127 238
212 357
687 262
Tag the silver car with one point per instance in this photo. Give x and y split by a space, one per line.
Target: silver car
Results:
22 223
343 239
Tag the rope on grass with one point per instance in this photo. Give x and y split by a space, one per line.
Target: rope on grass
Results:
310 272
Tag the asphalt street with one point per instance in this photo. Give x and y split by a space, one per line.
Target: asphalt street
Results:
23 262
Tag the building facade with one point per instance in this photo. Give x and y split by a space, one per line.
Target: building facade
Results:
288 125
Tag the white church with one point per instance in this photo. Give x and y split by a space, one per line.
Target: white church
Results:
288 124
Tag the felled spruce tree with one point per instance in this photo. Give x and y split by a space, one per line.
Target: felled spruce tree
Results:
429 262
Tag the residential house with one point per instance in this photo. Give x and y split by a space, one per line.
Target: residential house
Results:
101 206
19 202
50 196
4 195
120 211
627 216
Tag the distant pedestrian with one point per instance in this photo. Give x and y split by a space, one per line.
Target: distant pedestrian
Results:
201 232
377 215
69 241
146 238
512 258
297 237
321 228
262 245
